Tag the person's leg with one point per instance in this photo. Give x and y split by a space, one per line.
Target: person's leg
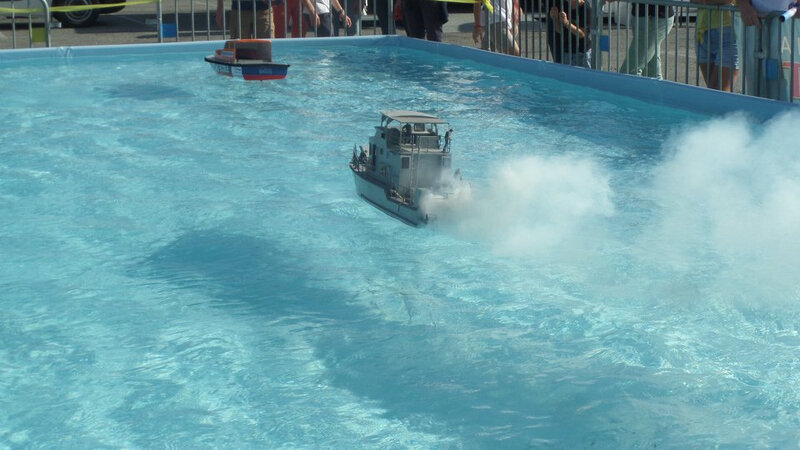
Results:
637 51
489 41
729 60
325 27
413 18
295 17
308 24
507 41
432 20
719 74
486 40
709 71
554 42
353 8
660 30
705 61
265 25
503 39
580 59
355 30
384 16
729 78
335 24
514 48
279 16
246 27
234 24
515 27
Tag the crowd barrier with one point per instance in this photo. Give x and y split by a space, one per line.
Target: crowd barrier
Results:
619 36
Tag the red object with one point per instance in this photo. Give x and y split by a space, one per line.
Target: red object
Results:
291 15
398 11
249 59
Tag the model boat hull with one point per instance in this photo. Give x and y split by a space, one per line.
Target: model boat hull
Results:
378 196
249 70
404 171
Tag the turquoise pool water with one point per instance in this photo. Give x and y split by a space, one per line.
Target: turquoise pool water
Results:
185 263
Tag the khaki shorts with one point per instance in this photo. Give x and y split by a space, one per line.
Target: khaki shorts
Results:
265 28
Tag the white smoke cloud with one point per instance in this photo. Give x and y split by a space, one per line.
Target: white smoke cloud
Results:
725 213
730 192
532 205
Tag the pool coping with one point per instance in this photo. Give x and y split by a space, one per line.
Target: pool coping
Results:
661 92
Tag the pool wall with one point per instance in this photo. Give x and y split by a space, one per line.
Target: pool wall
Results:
661 92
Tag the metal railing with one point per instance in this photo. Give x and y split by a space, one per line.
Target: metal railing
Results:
290 18
616 36
34 33
613 38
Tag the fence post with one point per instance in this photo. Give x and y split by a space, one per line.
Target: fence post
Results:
771 59
596 23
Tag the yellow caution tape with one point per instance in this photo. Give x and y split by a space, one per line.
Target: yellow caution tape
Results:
486 3
74 8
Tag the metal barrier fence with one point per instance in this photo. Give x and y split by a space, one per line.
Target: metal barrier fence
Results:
675 40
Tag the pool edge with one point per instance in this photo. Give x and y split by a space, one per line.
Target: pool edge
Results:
661 92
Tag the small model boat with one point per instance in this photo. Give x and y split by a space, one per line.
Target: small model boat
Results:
405 172
249 59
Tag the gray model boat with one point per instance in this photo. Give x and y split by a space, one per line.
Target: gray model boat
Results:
405 171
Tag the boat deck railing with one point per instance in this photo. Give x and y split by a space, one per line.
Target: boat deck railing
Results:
426 142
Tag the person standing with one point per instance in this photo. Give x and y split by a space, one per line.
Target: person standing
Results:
326 12
424 19
249 19
287 13
354 10
384 10
501 35
650 27
717 51
448 137
568 33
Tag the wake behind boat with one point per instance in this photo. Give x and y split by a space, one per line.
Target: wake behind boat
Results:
405 172
248 59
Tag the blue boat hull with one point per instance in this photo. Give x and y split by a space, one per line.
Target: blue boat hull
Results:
249 70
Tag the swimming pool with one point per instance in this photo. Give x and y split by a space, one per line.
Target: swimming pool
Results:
186 264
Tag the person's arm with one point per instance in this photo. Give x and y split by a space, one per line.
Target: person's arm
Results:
749 13
311 7
555 15
572 28
341 13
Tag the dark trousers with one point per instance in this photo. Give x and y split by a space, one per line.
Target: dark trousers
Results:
326 25
385 17
424 19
